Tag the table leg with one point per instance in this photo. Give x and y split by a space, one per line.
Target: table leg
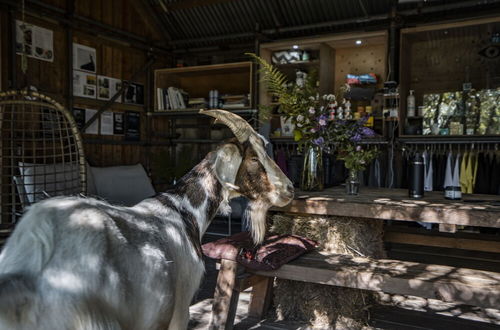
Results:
225 297
260 299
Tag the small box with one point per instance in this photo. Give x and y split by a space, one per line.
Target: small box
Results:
456 128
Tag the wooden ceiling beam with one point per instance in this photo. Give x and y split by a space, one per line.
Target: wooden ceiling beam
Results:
151 18
188 4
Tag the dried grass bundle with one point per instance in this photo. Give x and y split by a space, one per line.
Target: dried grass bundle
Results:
328 307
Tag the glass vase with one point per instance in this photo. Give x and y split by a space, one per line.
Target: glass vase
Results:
312 178
352 182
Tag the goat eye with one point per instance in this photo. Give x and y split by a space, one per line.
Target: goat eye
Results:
255 159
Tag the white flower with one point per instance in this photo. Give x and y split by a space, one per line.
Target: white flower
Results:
312 98
300 118
311 110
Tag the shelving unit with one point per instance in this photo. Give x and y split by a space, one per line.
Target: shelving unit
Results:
191 134
337 55
457 61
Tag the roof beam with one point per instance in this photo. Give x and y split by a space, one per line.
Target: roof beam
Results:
151 18
188 4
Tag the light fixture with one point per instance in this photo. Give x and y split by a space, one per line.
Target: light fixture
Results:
358 42
295 46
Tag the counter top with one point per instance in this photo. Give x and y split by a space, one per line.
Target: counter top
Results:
394 204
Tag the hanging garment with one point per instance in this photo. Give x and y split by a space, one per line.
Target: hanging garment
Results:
452 175
463 173
281 161
448 178
428 179
456 172
440 172
495 174
468 173
482 184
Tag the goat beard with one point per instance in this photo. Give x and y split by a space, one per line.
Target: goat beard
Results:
256 214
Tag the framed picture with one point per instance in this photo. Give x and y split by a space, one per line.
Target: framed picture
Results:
132 126
84 58
134 94
118 123
79 116
37 42
107 87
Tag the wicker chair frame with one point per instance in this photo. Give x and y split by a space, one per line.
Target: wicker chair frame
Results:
41 152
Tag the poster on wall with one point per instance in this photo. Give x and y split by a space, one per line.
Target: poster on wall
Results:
134 94
118 125
84 58
107 87
94 127
36 41
107 123
84 84
132 126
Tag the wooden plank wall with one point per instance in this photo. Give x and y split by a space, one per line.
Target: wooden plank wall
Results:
114 59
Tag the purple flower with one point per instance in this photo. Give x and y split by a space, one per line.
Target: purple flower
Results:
356 138
362 120
365 131
322 120
319 141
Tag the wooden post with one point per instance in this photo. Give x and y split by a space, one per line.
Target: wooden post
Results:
260 299
225 297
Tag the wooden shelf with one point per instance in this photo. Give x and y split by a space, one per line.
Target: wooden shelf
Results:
449 139
191 112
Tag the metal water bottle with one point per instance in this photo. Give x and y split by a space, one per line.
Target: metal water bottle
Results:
416 177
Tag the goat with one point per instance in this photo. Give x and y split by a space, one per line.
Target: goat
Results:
81 263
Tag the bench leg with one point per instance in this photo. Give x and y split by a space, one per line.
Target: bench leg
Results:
225 297
260 299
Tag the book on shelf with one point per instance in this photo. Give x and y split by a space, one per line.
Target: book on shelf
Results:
171 98
234 102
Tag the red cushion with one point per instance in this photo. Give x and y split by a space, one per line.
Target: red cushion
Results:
274 252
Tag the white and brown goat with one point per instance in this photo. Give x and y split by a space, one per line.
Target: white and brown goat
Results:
81 263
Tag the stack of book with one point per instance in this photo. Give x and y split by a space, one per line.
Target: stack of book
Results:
234 102
171 99
197 102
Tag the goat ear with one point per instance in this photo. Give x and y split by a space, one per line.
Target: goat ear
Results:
227 162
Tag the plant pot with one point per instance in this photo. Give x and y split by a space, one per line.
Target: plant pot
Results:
312 178
352 182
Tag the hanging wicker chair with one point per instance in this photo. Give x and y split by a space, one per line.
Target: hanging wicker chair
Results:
41 152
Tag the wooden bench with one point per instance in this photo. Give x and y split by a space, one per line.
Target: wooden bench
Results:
449 284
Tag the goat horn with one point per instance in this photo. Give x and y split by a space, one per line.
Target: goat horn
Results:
239 126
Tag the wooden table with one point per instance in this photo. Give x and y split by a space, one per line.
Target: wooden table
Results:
394 204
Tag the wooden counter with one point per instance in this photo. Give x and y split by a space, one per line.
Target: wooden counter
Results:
394 204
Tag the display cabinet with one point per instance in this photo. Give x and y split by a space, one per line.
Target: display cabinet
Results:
454 71
332 58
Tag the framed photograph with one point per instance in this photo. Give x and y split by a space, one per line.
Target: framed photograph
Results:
107 87
84 58
134 94
79 116
84 84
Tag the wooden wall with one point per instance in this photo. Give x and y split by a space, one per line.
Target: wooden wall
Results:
115 59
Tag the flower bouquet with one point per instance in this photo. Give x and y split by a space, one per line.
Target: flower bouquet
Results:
311 114
348 135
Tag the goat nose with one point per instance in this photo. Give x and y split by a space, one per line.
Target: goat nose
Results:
290 189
